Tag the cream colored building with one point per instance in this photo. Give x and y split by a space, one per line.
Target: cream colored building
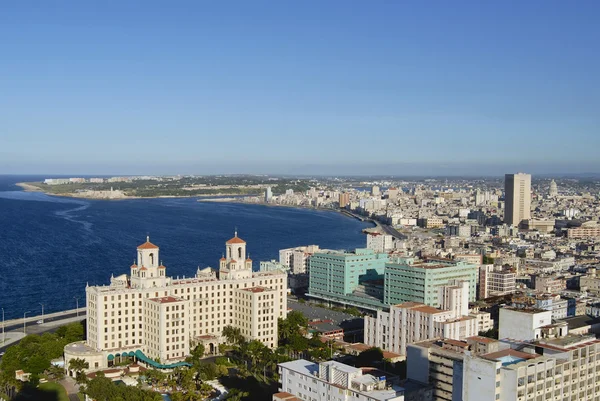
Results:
517 195
589 229
148 313
561 369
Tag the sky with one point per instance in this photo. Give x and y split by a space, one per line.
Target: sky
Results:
299 87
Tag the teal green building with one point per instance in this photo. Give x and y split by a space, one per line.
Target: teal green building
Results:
410 281
348 278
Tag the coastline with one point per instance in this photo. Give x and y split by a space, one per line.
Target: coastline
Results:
28 187
375 223
119 195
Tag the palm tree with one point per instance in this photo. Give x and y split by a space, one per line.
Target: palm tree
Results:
78 365
233 335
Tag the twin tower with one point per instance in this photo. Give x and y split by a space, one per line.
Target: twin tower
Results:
149 272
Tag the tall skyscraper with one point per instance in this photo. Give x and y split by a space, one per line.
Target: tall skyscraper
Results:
517 195
268 195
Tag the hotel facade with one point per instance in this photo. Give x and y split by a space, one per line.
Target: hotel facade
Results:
156 318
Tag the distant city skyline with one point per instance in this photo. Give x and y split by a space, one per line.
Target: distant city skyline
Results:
331 88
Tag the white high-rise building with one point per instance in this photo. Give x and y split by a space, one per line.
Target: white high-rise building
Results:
268 195
517 196
149 316
380 243
564 369
297 258
411 322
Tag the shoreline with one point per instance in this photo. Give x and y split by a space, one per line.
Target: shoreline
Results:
32 188
375 223
28 187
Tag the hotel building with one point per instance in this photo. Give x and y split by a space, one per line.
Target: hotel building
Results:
153 317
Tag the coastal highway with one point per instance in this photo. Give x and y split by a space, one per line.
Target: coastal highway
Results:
33 328
14 328
386 228
392 231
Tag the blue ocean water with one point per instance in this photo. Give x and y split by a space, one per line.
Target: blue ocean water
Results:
50 247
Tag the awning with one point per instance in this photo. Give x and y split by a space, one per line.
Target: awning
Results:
111 357
131 353
140 356
124 354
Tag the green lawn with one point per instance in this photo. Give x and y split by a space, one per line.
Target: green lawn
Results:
56 389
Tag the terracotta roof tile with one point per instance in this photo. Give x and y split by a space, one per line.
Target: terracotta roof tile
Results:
236 240
147 245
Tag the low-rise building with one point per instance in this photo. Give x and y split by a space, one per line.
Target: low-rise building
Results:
523 324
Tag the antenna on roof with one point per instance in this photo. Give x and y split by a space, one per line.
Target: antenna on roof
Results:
147 237
235 232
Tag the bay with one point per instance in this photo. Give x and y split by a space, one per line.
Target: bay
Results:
50 247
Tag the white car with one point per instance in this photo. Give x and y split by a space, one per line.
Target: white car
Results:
40 322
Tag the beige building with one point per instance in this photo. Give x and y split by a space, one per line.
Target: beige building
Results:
439 363
168 319
517 195
148 315
589 229
564 369
496 281
590 282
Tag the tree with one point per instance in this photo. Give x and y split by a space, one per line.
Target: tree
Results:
297 319
78 365
369 357
56 372
197 354
81 378
236 395
233 335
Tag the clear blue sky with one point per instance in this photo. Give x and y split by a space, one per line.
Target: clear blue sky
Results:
392 87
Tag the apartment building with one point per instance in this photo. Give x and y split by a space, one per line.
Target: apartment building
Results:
564 369
152 316
590 282
333 381
297 259
411 322
590 229
439 363
380 242
496 281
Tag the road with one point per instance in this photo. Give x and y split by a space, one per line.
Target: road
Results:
32 326
14 330
393 232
